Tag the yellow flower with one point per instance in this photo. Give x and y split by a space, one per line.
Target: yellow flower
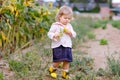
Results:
15 8
27 3
41 30
65 29
3 36
0 43
16 14
12 8
50 4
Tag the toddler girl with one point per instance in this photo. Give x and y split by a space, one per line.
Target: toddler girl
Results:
61 33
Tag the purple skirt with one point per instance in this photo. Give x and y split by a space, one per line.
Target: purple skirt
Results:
62 54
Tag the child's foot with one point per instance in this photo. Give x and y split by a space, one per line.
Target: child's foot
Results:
53 75
52 72
65 75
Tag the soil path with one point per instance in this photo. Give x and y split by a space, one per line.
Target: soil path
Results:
100 52
4 68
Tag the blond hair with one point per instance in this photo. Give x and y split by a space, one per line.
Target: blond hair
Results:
64 10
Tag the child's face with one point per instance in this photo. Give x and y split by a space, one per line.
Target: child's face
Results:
64 19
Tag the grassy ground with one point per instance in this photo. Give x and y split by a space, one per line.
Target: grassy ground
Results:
32 63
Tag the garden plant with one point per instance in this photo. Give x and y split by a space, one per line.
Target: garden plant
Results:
26 48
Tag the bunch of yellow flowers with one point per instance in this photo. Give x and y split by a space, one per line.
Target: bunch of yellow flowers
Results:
60 34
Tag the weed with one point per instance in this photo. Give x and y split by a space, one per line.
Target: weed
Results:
116 24
114 65
91 35
103 42
1 76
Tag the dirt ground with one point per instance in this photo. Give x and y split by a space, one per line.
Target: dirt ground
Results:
92 47
101 52
4 68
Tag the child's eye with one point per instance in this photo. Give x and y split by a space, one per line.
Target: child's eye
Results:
65 18
69 18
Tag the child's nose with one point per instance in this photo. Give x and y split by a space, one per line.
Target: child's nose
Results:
67 19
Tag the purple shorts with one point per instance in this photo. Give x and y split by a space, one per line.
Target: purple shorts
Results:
62 54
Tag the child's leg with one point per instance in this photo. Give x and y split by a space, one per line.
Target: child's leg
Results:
65 72
65 65
53 68
56 64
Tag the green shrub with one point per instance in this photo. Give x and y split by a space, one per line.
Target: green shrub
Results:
96 24
116 24
23 21
75 9
91 35
16 65
114 65
100 23
103 42
84 65
96 9
19 67
82 76
101 72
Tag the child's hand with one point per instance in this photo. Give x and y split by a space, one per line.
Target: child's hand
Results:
67 31
56 37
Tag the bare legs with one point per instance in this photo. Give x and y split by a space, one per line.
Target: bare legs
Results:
65 65
65 69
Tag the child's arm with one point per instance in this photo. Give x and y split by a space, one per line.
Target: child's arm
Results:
56 36
51 32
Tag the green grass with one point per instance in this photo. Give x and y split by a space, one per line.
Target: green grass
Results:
33 63
1 76
114 66
115 24
100 23
91 35
82 26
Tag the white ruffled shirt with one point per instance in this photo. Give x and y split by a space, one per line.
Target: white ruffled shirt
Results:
65 39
